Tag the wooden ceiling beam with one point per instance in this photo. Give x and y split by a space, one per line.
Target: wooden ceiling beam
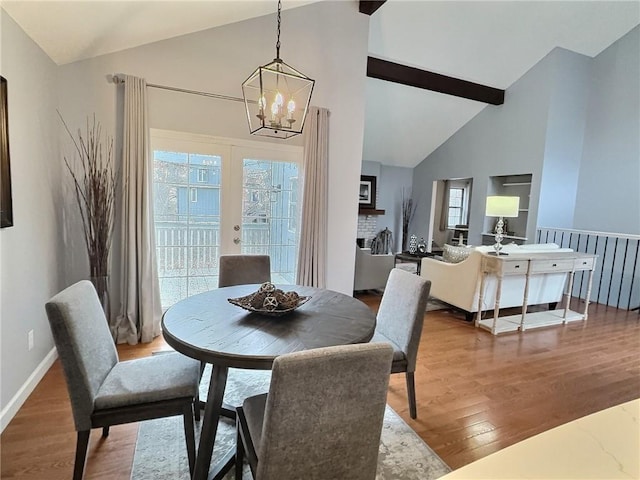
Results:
415 77
370 6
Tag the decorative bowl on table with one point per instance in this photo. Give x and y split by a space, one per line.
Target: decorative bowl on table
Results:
269 300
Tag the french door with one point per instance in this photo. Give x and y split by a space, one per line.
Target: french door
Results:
215 196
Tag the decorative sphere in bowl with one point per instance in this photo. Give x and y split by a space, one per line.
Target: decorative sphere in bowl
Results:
269 300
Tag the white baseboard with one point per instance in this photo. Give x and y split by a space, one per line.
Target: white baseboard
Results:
29 386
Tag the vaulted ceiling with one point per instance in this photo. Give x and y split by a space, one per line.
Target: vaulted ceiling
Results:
488 42
491 43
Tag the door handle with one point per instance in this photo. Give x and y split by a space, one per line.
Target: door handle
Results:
236 227
236 240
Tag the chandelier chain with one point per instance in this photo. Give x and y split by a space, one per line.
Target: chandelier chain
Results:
277 96
278 41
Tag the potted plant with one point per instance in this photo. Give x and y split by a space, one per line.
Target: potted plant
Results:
95 181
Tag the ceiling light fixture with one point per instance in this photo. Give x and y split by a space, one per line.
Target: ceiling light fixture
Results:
276 97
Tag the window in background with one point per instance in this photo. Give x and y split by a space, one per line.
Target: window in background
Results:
457 208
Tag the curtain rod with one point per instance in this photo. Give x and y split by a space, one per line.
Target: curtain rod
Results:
118 79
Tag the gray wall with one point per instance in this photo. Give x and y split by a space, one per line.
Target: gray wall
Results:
390 183
500 140
573 123
31 250
608 196
563 146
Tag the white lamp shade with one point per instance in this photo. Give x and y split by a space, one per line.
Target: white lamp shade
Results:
498 206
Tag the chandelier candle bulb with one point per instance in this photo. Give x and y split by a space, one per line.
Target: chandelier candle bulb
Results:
291 107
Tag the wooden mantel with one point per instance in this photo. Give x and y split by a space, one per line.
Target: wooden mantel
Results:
370 211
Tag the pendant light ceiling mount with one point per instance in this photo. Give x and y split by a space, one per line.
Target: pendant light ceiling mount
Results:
277 97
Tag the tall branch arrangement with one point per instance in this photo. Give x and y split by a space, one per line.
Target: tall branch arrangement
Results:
407 215
95 182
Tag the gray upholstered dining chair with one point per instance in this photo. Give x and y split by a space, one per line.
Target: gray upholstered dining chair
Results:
322 417
104 391
244 269
399 322
240 270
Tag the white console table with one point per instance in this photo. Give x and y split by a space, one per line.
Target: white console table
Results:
533 264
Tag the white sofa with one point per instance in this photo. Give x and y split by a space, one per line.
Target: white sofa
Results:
372 271
458 284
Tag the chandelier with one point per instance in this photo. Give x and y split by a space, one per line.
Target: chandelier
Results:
276 97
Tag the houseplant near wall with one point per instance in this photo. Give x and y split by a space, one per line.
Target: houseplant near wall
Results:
95 182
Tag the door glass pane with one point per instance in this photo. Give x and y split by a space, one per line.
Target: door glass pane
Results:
270 214
187 223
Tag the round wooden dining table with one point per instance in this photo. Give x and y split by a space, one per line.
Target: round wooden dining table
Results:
208 328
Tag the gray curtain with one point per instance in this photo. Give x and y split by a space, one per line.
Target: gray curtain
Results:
140 308
312 257
444 215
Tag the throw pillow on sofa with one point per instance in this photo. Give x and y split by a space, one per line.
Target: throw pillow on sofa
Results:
452 254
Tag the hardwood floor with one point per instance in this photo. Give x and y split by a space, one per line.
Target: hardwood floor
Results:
476 393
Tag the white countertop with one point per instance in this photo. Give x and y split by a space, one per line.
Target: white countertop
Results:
604 445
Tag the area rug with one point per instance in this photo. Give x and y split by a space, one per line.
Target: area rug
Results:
161 452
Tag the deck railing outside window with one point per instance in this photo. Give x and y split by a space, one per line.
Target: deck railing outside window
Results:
187 256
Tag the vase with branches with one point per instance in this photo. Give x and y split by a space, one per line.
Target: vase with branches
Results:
95 182
407 215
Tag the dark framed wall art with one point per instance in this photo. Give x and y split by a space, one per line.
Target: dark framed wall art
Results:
6 207
367 198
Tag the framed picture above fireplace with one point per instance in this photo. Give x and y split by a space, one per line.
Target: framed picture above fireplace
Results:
367 192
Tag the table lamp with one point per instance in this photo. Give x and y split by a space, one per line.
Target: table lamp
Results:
498 206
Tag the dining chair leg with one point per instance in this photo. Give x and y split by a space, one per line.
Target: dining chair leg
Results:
189 434
411 394
81 454
239 451
196 406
